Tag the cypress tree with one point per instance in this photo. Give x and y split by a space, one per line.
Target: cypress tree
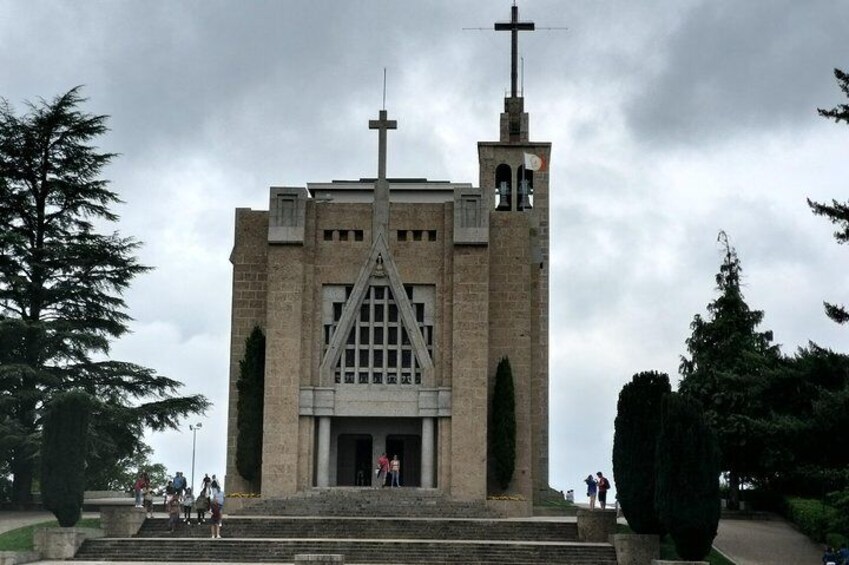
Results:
251 387
637 427
504 424
63 455
687 491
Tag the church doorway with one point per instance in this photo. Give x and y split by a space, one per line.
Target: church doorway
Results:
408 448
354 464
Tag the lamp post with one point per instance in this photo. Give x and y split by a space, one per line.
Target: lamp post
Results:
194 429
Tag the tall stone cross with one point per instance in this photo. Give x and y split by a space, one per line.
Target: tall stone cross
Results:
380 219
514 26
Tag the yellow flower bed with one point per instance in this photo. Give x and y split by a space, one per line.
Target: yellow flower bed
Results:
516 497
244 495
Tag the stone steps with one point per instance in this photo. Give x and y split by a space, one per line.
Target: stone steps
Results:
374 502
371 528
409 552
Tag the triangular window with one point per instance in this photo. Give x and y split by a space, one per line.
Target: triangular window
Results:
378 349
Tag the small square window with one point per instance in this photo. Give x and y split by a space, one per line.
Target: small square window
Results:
377 378
402 235
343 235
349 378
358 235
392 379
379 292
431 235
417 235
363 380
328 235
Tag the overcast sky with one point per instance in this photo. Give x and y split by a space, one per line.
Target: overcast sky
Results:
669 121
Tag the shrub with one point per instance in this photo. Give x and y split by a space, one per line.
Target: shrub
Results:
63 453
813 517
504 424
251 386
687 490
636 430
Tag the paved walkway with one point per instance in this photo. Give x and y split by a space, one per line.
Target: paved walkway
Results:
766 542
746 542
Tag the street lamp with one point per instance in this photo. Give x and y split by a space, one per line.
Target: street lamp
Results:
194 429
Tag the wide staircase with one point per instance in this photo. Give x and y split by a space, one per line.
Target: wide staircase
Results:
380 527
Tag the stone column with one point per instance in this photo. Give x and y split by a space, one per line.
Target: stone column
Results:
427 452
323 478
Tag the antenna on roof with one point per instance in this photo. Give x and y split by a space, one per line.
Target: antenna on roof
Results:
384 88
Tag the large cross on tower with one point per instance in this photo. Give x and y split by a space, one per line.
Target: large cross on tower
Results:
514 26
380 220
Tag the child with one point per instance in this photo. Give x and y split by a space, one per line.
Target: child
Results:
148 501
215 520
173 513
188 500
202 505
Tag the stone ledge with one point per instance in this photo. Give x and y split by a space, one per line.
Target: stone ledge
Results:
121 521
319 559
636 549
596 525
18 557
62 543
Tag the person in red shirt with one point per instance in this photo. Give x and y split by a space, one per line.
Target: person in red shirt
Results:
603 486
382 469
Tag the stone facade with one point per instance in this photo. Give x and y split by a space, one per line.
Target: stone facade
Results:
387 304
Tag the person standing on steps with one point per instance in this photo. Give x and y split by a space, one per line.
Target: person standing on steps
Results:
215 520
382 470
603 487
591 490
202 505
188 501
395 471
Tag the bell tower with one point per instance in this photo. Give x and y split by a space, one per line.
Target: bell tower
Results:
514 179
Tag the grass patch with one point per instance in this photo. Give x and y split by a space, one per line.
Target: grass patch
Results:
21 538
558 503
667 551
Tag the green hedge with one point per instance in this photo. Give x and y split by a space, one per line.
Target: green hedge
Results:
817 520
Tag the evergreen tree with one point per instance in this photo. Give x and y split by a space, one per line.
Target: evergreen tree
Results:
836 212
504 424
63 453
251 386
636 430
687 494
61 285
729 360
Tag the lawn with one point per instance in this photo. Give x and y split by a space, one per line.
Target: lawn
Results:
21 539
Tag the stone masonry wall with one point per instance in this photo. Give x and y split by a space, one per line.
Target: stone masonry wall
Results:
510 331
469 377
248 310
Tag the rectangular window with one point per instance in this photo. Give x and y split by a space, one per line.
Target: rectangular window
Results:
393 358
392 335
343 235
377 378
391 379
405 338
364 317
417 235
402 235
379 292
352 337
363 380
364 337
378 336
358 235
378 357
419 312
406 358
337 311
393 313
349 378
378 312
287 212
349 358
431 235
364 358
328 235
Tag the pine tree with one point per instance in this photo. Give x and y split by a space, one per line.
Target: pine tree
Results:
63 455
61 285
687 494
836 212
635 436
251 386
504 424
729 359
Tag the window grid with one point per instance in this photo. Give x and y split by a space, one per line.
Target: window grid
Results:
378 349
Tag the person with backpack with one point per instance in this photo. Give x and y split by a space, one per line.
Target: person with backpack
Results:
603 487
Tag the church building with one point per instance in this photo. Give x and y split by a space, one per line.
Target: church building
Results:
387 304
